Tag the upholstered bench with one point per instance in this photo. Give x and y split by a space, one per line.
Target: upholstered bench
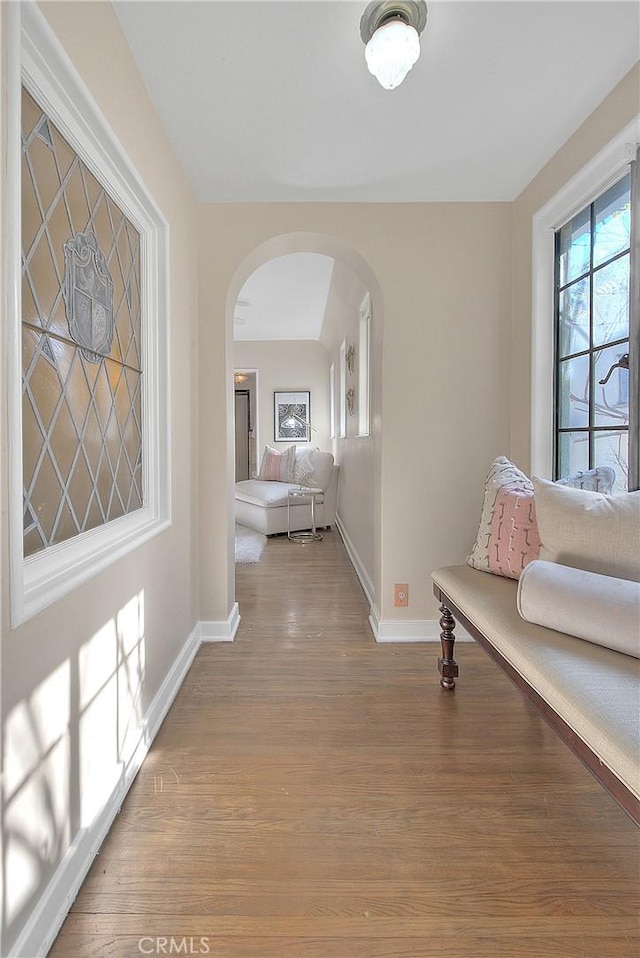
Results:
589 694
559 556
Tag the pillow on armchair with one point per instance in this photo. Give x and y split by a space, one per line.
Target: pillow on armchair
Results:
278 466
313 468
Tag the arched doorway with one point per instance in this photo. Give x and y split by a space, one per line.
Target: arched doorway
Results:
357 452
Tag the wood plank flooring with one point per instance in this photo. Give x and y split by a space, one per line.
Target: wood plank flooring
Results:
314 795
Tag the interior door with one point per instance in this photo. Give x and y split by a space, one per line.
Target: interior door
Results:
243 425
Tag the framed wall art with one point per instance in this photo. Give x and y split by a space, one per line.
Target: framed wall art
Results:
292 416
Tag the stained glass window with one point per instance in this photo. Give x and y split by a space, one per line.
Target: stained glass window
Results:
81 342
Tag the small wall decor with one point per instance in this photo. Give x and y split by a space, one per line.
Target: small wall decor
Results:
88 296
291 414
350 357
351 401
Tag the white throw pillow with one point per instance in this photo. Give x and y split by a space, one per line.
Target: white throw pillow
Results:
304 473
600 479
602 609
322 463
589 530
313 468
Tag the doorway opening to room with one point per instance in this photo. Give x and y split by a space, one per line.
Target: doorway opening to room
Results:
304 316
245 423
243 429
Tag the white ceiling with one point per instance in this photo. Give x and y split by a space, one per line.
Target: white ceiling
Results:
284 298
271 101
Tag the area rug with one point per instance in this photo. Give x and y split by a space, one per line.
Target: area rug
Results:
249 545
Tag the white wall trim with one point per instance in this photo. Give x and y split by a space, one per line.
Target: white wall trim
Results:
223 631
364 367
38 60
51 910
412 630
374 621
356 562
602 171
163 699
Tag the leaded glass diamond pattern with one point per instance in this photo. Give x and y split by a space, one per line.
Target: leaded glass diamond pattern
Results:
82 421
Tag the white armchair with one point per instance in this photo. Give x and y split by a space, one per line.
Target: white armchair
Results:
262 504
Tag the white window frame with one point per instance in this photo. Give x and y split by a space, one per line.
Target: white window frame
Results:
38 61
592 180
364 365
342 378
332 401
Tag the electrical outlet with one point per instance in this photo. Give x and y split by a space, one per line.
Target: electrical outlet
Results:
401 594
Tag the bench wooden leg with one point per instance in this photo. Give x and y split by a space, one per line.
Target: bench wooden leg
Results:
447 665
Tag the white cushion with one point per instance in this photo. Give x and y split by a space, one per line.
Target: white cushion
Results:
600 479
313 468
588 530
599 608
265 493
303 470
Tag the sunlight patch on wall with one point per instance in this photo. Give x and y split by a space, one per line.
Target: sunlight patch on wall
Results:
36 787
131 670
98 710
66 748
112 668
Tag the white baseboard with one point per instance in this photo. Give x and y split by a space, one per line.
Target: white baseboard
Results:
45 921
391 630
374 620
223 631
411 630
163 699
356 562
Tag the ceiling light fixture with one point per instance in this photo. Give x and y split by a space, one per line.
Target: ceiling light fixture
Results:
391 31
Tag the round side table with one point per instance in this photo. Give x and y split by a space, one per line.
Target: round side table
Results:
294 496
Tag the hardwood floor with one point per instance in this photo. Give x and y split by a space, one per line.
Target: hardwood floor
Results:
314 795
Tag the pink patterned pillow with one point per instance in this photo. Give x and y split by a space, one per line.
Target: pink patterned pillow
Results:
278 466
507 536
513 532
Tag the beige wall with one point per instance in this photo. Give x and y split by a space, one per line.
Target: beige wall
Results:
442 278
290 366
445 389
50 663
613 114
358 456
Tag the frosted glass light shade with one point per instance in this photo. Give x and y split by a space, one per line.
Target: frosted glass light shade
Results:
391 52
